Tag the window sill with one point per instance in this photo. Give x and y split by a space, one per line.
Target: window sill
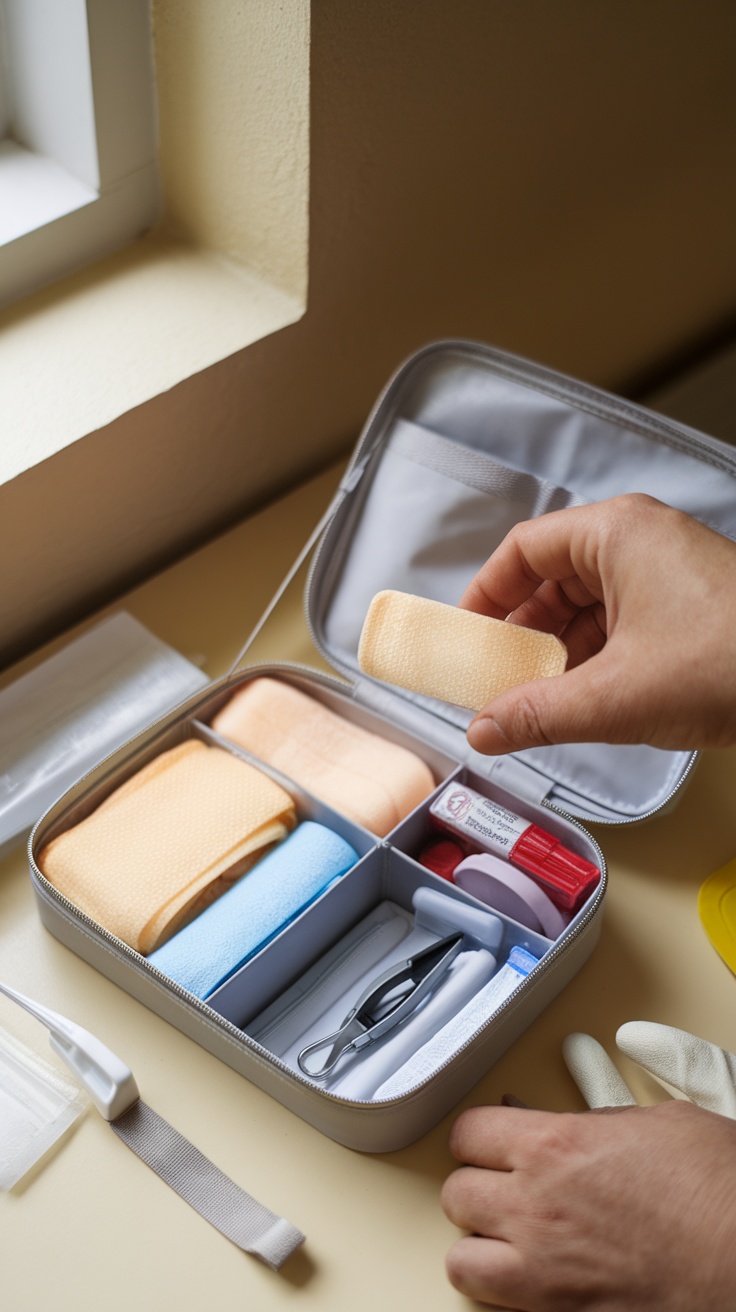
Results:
34 191
78 355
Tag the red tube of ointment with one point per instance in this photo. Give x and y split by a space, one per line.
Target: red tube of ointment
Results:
568 878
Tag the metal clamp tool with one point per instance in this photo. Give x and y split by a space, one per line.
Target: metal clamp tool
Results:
383 1005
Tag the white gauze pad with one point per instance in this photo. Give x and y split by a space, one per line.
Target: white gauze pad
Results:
455 655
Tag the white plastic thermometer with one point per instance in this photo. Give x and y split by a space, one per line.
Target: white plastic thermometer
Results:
109 1082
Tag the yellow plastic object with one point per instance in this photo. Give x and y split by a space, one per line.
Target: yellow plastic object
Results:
717 910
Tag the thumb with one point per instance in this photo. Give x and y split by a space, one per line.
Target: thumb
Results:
702 1071
577 706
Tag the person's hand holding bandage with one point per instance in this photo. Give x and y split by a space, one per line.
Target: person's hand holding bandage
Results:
624 1208
644 599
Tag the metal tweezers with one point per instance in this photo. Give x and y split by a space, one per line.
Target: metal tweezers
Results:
383 1005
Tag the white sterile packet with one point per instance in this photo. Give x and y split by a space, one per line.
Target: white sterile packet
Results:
37 1104
72 710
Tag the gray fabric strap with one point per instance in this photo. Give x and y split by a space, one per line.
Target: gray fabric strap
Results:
479 470
214 1195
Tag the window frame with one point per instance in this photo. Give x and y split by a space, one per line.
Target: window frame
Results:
78 165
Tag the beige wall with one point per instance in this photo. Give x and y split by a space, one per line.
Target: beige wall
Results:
556 178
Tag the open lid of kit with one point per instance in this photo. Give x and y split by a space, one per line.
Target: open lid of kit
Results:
464 442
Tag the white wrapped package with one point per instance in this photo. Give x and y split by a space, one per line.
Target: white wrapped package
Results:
75 708
37 1104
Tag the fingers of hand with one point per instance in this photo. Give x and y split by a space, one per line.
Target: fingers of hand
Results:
476 1199
554 605
547 548
567 610
493 1137
625 1210
585 635
488 1270
577 706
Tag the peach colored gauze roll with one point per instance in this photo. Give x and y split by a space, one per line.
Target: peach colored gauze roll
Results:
455 655
168 842
361 774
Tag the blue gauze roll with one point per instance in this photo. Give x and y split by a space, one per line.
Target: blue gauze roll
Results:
203 954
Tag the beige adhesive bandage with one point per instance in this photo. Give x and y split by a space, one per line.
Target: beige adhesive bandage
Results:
168 842
364 776
455 655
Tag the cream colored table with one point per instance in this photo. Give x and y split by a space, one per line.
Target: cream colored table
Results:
93 1227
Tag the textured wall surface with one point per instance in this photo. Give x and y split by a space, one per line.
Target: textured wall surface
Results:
239 114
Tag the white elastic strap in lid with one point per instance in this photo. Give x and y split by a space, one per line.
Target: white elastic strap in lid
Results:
112 1087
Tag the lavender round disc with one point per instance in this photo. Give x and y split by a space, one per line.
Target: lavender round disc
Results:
510 892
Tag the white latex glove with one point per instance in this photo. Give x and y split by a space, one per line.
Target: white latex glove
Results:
705 1073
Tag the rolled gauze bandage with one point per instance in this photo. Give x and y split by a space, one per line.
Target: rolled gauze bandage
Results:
168 841
361 774
207 951
455 655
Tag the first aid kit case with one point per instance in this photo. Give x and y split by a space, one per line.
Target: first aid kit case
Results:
463 442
